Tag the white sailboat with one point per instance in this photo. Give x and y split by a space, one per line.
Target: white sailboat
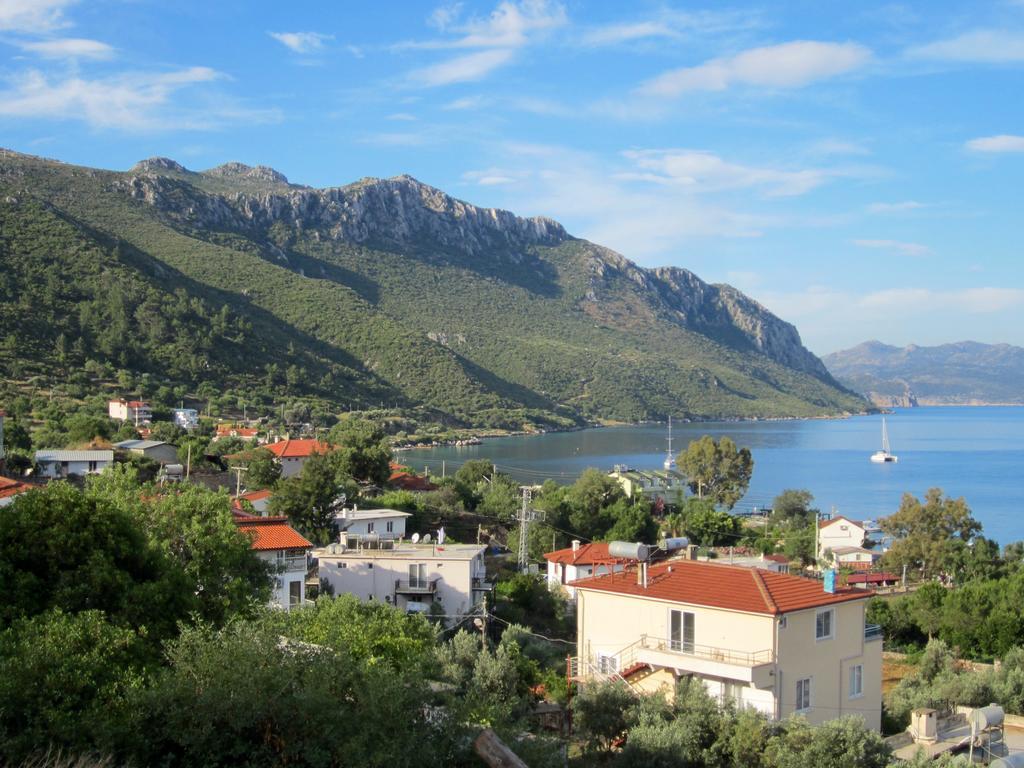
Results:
884 456
670 460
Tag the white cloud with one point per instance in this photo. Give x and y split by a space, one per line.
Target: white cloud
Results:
668 25
789 65
498 37
985 300
129 102
69 48
444 16
706 172
1002 143
463 69
33 16
302 42
985 46
613 34
901 207
895 246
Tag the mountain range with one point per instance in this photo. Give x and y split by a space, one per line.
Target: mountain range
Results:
964 373
235 281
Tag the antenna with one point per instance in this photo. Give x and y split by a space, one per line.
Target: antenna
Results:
526 516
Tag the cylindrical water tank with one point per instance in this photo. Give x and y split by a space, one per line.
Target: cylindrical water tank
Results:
1016 760
983 718
674 543
629 550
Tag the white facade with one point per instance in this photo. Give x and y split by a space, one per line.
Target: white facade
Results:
385 523
839 532
410 576
290 580
56 464
186 418
133 411
164 453
561 574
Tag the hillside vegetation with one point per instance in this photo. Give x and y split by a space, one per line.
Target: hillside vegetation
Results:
381 292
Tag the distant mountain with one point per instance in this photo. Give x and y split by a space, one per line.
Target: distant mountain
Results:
964 373
385 290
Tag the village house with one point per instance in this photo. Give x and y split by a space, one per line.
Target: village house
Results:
287 550
838 531
778 643
248 434
293 454
360 523
186 418
54 464
157 450
135 412
404 480
578 562
668 485
451 578
857 558
260 501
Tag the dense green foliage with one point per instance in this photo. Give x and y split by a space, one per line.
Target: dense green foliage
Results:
930 537
98 286
717 469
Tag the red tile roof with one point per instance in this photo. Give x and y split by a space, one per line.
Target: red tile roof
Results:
9 487
409 482
295 449
587 554
271 533
730 587
257 495
228 430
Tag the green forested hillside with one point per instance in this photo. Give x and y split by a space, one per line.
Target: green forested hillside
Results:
383 291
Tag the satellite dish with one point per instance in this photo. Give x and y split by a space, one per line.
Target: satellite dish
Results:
415 538
426 538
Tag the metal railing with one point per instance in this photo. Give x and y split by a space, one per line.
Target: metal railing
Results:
293 563
872 632
416 586
709 652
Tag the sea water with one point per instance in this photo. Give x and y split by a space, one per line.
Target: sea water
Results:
974 452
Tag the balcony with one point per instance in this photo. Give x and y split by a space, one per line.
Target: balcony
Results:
872 632
480 584
291 563
416 586
755 667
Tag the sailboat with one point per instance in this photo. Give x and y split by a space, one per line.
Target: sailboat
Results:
670 460
883 456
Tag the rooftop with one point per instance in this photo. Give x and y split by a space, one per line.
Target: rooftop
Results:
271 533
586 554
836 519
9 487
406 550
257 495
293 449
370 514
74 455
139 445
729 587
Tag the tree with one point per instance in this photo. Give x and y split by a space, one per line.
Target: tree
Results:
593 503
309 499
926 607
709 527
167 431
16 437
600 712
929 537
793 505
717 470
634 524
362 450
840 743
83 428
263 470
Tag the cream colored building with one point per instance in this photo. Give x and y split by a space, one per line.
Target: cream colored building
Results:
771 641
578 562
839 532
411 576
666 484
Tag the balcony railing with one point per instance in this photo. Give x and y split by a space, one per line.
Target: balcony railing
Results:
872 632
292 563
480 584
416 586
709 652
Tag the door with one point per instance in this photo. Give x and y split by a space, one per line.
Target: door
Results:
681 631
417 575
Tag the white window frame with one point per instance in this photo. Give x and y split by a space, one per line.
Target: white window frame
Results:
831 612
607 663
856 676
391 526
803 694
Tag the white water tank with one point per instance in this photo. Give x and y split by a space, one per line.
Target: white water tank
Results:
983 718
628 550
673 543
1016 760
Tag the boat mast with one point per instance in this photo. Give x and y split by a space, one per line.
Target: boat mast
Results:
885 437
670 460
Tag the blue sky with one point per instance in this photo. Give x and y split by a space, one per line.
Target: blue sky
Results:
856 167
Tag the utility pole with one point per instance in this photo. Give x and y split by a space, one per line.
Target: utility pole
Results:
238 479
483 625
817 528
526 516
188 462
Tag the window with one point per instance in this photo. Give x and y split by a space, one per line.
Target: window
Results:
92 466
681 631
391 526
803 694
417 575
856 681
607 664
782 622
294 593
369 527
823 624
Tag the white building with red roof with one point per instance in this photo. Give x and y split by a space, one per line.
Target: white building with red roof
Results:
293 454
277 543
135 412
260 500
838 532
578 562
778 643
10 489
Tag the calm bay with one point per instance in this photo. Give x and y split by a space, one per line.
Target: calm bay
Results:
974 452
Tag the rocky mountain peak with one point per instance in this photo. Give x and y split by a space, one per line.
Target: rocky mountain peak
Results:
157 165
236 170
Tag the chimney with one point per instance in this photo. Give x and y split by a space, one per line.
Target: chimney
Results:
641 575
575 546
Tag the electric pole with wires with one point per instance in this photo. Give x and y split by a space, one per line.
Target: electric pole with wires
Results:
526 516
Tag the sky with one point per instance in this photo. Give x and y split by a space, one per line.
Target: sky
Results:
855 167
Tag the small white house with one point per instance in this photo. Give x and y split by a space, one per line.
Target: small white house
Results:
578 562
66 463
186 418
286 550
384 523
135 412
412 577
260 500
157 450
839 532
857 558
